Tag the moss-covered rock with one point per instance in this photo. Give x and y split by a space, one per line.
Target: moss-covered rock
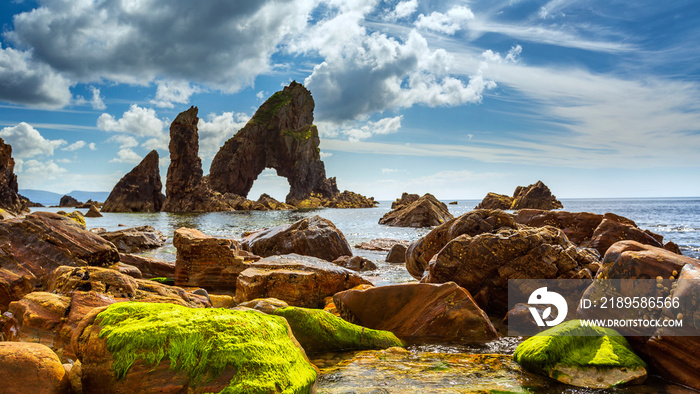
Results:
319 331
582 356
141 346
76 216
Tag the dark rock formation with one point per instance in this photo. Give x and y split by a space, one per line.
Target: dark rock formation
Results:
405 199
9 199
186 188
139 190
314 236
281 135
495 201
93 212
424 212
537 196
355 263
348 199
267 203
484 263
397 254
68 201
418 312
472 223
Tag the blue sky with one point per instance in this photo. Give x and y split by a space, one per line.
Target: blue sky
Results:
596 99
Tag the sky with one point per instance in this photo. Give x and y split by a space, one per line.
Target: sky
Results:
597 99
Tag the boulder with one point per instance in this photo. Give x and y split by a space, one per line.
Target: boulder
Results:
381 244
93 212
268 203
298 280
264 305
609 232
427 211
495 201
313 236
355 263
139 190
281 135
141 347
10 201
148 266
633 260
31 368
471 223
484 263
320 332
577 355
135 239
209 262
537 196
405 199
348 199
37 244
77 217
68 202
418 312
397 254
40 315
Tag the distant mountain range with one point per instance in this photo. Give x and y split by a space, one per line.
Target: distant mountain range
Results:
50 198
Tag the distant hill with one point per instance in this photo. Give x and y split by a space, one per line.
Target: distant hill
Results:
50 198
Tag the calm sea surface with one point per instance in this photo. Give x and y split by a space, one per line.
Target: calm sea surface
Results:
677 219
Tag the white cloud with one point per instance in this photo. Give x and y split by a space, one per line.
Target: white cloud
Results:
74 146
391 170
260 95
403 9
169 92
142 122
26 81
451 22
357 131
26 141
34 173
325 155
220 44
92 146
217 129
127 155
124 141
95 102
513 55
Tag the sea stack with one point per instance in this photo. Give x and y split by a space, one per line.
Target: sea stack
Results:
139 190
9 199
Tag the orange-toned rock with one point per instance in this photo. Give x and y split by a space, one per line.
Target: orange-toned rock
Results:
206 261
495 201
418 312
471 223
355 263
536 196
633 260
313 236
578 226
483 264
298 280
426 211
610 231
40 316
31 368
149 267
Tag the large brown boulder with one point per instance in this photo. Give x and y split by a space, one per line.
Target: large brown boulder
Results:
148 266
31 368
348 199
135 239
68 202
9 199
426 211
298 280
610 231
578 226
40 316
405 199
471 223
313 236
537 196
495 201
37 244
484 263
139 190
206 261
634 260
418 312
281 135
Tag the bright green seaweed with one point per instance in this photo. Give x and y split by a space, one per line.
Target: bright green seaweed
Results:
572 344
201 343
319 331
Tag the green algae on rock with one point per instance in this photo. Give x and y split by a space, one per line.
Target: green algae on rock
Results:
202 343
319 331
583 356
77 216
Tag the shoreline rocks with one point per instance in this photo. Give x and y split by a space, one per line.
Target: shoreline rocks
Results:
139 190
10 200
534 196
425 211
